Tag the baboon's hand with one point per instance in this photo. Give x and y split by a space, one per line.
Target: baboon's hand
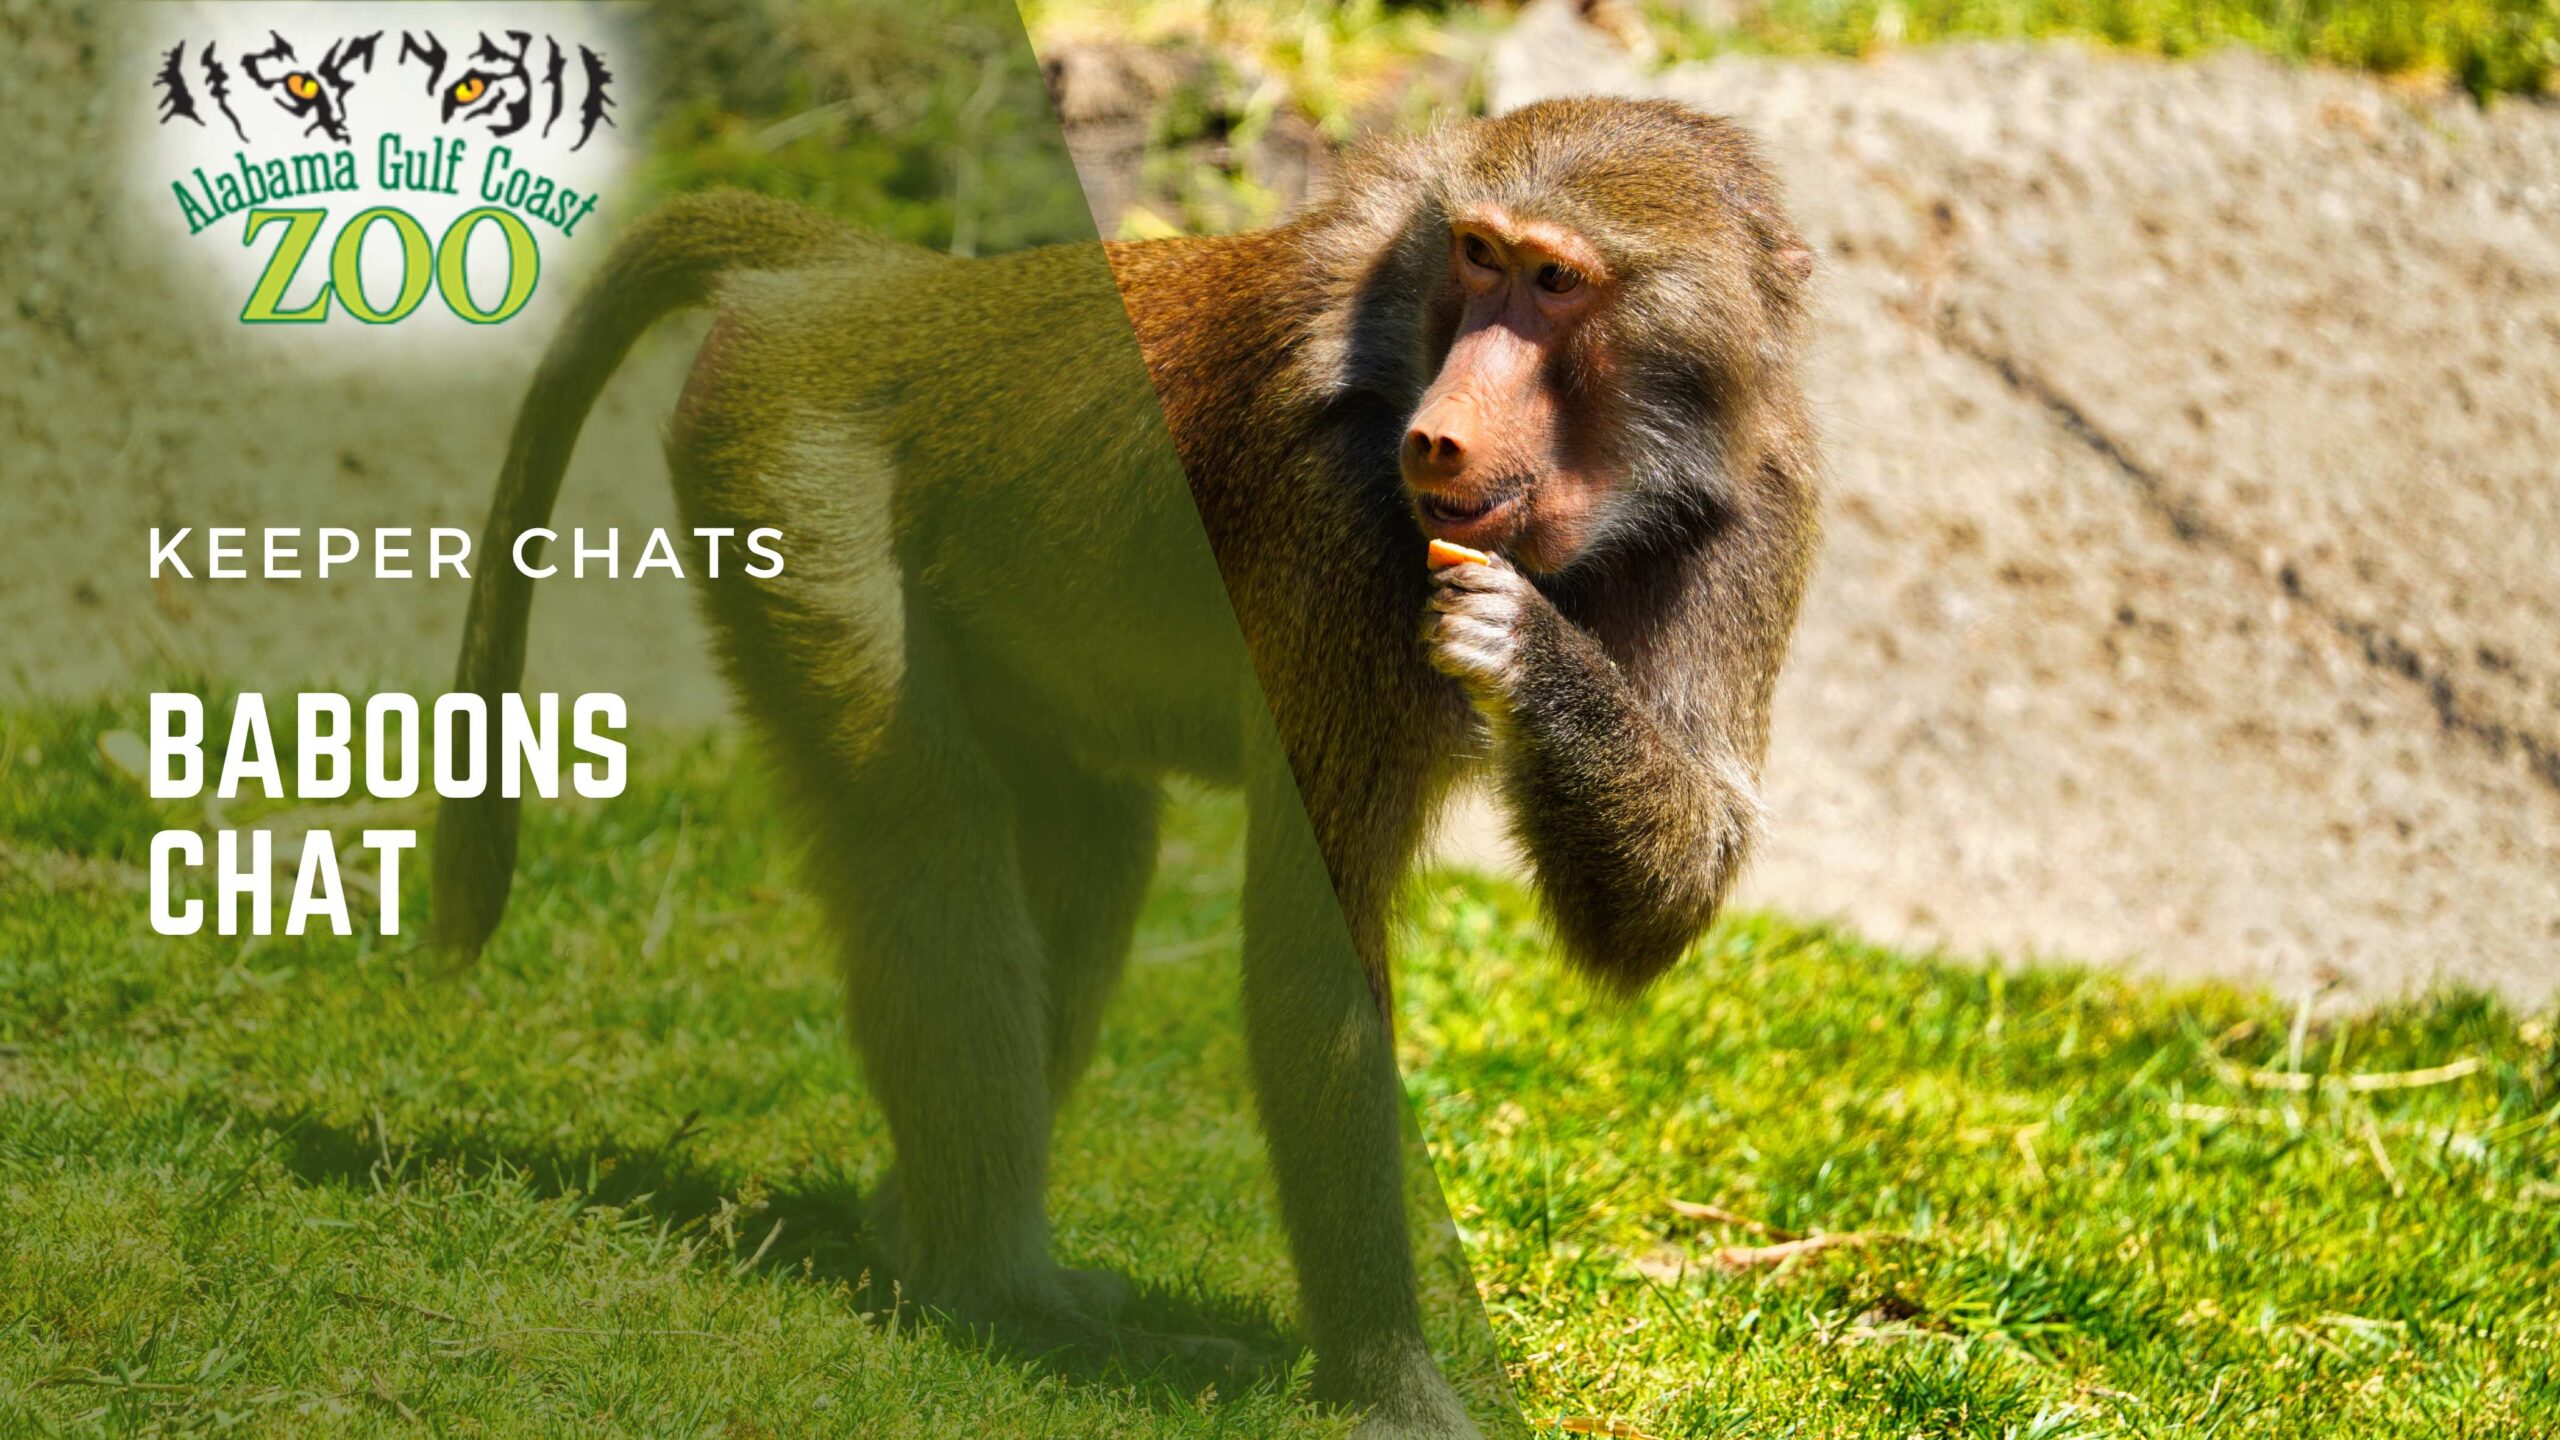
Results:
1483 629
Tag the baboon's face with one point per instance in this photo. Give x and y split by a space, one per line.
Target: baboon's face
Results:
1606 316
1494 456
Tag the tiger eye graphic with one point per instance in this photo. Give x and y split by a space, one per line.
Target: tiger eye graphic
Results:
470 90
302 86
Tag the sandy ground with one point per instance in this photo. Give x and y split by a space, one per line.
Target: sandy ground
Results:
2190 597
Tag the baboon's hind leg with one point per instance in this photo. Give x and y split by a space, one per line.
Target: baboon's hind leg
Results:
1088 846
945 971
912 851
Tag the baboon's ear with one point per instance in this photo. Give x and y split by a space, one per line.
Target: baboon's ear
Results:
1795 262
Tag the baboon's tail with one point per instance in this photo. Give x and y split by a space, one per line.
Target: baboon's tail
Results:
668 262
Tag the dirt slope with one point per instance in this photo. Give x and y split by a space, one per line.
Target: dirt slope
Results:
2193 584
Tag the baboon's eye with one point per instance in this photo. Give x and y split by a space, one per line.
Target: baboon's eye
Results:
1558 279
301 85
1479 253
470 90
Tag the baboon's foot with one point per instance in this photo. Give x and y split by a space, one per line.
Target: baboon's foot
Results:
1414 1402
1102 1294
1075 1310
884 1217
1227 1360
1098 1298
1385 1427
1042 1306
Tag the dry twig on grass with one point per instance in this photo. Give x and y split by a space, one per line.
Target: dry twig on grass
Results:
2301 1082
1673 1263
1760 1257
1596 1425
1718 1215
1785 1246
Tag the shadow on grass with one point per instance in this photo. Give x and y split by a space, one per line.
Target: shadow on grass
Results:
823 1237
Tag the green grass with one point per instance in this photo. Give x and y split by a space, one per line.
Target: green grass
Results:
607 1181
1336 61
2103 1228
2490 46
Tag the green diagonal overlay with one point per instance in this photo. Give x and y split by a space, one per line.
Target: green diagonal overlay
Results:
870 1056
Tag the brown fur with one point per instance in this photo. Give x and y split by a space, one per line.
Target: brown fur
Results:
998 629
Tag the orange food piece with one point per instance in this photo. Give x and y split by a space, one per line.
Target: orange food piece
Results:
1441 555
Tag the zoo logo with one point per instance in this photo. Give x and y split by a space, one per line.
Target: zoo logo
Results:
511 92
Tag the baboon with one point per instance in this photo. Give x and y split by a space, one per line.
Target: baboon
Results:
1565 336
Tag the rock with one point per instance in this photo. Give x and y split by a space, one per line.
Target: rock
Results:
1552 52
